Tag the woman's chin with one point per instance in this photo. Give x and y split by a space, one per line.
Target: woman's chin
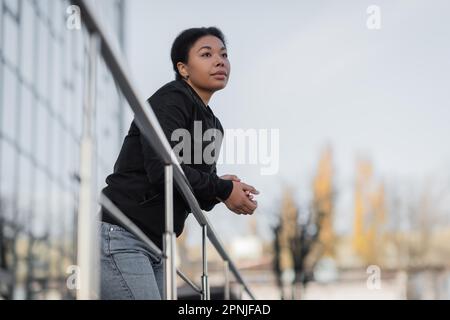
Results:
218 85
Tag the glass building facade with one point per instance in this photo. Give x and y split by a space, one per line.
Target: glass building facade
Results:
43 70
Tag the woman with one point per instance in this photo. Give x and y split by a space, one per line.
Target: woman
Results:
129 270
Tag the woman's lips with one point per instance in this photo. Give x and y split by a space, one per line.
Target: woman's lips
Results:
219 75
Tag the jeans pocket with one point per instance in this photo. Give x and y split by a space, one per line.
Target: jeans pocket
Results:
132 263
156 261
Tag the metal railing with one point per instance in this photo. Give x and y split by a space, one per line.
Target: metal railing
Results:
150 128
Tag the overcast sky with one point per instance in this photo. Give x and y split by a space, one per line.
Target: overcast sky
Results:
313 70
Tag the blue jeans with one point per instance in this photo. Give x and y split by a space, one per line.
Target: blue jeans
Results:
128 269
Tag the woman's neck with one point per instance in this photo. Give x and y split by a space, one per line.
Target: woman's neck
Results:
205 95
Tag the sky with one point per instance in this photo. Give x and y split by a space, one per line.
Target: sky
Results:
317 73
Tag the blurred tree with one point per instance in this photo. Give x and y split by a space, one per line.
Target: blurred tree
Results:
323 202
298 247
285 232
370 212
288 231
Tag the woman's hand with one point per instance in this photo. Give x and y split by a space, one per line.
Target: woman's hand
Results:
241 200
231 177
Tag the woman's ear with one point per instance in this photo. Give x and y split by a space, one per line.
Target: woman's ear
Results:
182 70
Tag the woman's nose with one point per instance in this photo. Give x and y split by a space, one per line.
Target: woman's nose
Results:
220 61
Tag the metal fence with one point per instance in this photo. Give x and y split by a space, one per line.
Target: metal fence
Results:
88 260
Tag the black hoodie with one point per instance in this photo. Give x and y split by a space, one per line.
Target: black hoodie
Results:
137 185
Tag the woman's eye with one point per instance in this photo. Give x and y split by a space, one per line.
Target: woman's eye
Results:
208 54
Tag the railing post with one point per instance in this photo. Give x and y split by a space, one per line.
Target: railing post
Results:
88 247
170 289
226 268
205 284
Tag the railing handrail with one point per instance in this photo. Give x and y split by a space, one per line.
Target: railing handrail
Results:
151 129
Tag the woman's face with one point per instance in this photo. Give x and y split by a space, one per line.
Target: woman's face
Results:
208 66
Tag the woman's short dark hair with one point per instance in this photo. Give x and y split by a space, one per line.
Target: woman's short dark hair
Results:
184 42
